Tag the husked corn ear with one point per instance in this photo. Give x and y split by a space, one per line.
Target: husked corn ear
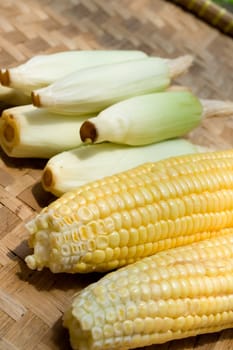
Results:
123 218
174 294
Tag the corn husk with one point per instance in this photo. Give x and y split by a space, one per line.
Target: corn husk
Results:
70 169
145 119
92 90
26 131
43 70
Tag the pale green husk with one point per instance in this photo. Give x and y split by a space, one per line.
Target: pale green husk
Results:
38 133
43 70
150 118
93 89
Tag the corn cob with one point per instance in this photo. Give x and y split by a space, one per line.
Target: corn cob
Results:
151 118
27 131
90 90
68 170
174 294
123 218
43 70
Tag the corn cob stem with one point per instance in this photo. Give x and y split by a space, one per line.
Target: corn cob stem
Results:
122 218
174 294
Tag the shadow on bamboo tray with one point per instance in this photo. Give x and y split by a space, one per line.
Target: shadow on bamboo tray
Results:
22 163
40 196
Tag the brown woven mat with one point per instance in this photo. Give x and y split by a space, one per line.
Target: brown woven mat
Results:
32 303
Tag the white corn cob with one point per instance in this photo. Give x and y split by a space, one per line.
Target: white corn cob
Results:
68 170
91 90
43 70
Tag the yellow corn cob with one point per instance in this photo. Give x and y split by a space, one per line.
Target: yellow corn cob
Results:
174 294
123 218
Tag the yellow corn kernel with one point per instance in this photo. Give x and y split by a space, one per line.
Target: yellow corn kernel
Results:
174 294
135 214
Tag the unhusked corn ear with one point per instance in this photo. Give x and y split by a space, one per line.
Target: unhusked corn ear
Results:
174 294
68 170
43 70
27 131
82 93
145 119
154 207
140 170
150 118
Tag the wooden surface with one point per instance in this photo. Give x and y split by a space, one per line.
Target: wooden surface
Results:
32 303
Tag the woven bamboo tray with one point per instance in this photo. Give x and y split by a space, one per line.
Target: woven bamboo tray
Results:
32 303
210 11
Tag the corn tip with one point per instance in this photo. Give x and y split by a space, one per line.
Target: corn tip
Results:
179 88
31 262
179 65
188 59
216 108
